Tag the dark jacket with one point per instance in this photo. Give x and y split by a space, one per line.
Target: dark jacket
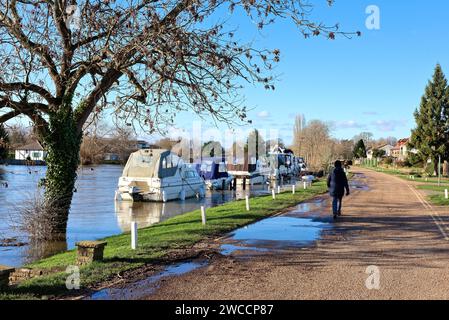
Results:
337 182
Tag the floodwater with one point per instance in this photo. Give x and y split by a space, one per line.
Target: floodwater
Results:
94 213
144 288
295 229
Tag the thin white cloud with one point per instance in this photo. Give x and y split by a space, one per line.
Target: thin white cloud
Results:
348 124
388 125
263 114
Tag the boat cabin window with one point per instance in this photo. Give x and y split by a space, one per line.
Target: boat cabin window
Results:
191 174
170 161
222 167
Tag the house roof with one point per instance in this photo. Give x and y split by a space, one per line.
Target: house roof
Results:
402 142
35 145
387 145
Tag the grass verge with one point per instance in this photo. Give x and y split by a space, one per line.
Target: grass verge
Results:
156 241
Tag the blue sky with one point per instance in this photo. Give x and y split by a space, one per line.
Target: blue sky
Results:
372 83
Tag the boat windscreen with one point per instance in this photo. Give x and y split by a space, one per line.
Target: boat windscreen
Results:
140 165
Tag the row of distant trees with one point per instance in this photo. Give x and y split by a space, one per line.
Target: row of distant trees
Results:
313 140
97 141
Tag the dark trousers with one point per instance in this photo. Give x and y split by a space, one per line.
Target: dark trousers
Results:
336 204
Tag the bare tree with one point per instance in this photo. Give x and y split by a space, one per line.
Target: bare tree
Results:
317 146
146 60
300 123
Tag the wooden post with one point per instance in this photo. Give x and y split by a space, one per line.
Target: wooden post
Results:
203 215
279 189
446 194
305 185
293 189
247 202
133 235
273 193
244 183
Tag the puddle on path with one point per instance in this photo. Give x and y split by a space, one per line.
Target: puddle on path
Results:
295 229
146 287
358 182
277 233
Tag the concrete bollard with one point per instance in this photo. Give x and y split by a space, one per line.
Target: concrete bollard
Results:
446 194
89 251
133 235
203 215
247 202
293 189
5 272
273 193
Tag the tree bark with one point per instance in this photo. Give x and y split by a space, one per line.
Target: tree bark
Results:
445 168
435 166
63 146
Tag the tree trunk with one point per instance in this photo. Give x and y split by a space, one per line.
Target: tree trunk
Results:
435 166
445 168
63 146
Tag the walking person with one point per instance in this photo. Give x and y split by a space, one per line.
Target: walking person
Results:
337 182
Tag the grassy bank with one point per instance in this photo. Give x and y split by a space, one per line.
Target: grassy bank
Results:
156 241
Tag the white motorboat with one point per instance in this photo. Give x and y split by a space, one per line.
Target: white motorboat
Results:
158 175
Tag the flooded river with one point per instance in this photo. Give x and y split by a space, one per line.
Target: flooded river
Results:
94 213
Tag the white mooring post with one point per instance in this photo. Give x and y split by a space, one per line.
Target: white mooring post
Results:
273 193
133 235
203 215
446 194
247 202
293 188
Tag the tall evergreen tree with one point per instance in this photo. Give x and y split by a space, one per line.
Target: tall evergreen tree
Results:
431 135
359 150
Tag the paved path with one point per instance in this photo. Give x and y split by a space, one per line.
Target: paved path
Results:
390 226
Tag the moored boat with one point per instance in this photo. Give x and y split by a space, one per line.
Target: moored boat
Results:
158 175
214 173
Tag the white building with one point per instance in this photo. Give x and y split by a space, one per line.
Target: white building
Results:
388 149
32 151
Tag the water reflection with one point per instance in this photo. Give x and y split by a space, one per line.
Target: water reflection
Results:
149 213
36 250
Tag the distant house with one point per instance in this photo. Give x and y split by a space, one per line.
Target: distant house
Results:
110 156
385 147
402 150
142 144
32 151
